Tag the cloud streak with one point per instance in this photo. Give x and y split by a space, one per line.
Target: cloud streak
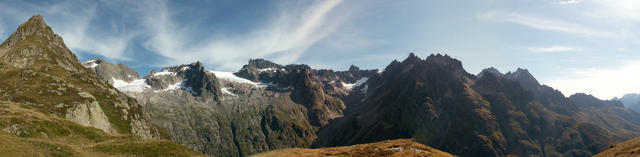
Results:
556 48
544 23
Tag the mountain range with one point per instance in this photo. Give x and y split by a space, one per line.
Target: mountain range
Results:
99 108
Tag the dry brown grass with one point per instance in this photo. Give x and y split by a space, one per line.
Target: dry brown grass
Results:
400 147
628 148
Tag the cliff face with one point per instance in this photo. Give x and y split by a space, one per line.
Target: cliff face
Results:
37 69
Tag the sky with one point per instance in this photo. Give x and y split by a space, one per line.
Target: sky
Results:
588 46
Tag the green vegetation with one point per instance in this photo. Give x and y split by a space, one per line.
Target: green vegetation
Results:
29 133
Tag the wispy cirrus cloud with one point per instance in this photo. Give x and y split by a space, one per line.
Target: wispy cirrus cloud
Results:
555 48
544 23
284 38
287 33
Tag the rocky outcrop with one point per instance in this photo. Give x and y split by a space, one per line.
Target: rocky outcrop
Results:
89 114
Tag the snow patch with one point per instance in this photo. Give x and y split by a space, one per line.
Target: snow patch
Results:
229 76
164 72
90 64
269 69
356 84
365 89
133 86
225 91
174 86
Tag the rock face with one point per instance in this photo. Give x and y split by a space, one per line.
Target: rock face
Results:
38 70
436 102
264 106
89 114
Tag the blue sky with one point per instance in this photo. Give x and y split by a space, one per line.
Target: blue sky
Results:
572 45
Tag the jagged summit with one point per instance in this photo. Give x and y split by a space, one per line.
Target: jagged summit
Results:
490 70
412 58
261 64
524 77
353 68
34 26
34 42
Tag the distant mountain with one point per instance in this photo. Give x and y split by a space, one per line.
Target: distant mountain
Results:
53 106
264 106
439 104
106 70
631 101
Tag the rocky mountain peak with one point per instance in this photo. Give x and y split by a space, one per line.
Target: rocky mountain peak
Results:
412 59
113 72
444 60
524 77
34 26
353 68
34 42
261 64
493 71
258 69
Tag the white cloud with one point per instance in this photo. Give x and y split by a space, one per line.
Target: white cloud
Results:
604 83
625 9
556 48
78 34
284 38
569 1
544 23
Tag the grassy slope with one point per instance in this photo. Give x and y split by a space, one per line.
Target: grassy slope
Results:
628 148
401 147
29 133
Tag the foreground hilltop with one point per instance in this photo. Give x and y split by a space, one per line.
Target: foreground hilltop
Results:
396 148
51 105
